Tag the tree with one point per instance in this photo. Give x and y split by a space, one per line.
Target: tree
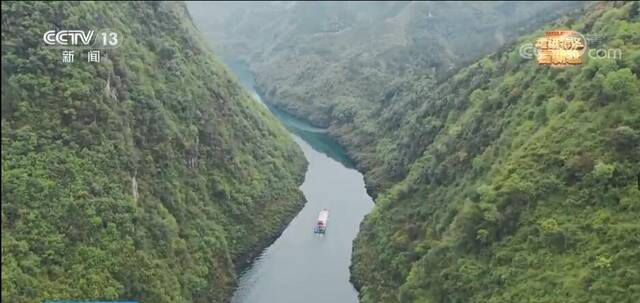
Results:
603 172
625 139
580 165
620 84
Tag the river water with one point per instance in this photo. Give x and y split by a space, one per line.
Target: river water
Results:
301 266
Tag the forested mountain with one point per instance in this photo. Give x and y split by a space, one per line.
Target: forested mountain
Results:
526 183
499 181
149 176
340 63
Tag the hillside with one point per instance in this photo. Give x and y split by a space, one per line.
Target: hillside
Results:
522 181
149 176
342 65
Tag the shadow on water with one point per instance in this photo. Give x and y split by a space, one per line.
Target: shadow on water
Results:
318 140
301 266
317 137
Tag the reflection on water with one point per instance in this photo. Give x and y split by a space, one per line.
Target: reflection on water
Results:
315 136
301 266
318 140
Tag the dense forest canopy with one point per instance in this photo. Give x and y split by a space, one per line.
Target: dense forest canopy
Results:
500 181
149 176
154 176
339 64
526 180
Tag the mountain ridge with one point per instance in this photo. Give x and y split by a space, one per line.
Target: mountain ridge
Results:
519 166
151 175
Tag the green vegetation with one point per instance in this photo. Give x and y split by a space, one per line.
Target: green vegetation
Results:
345 65
504 181
522 181
150 175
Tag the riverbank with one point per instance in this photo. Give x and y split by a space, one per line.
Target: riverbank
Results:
300 263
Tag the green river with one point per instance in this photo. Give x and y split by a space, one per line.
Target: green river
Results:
301 266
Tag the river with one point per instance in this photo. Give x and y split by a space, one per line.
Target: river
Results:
301 266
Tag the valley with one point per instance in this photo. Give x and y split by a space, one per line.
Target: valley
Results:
301 266
497 181
298 151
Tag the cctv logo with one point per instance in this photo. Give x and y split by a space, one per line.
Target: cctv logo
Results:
68 37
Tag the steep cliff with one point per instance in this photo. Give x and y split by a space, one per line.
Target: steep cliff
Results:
148 176
526 183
